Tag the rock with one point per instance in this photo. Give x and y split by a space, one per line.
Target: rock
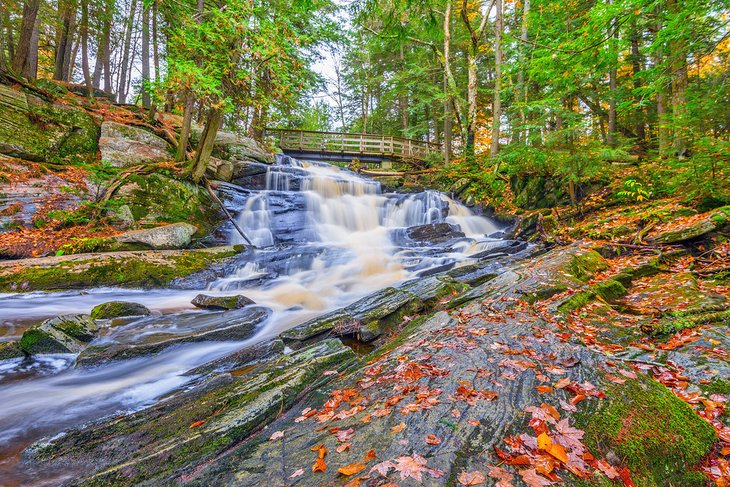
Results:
174 236
155 198
118 309
151 335
37 130
233 147
434 233
243 359
125 145
204 301
220 170
146 269
159 443
681 233
366 318
10 350
122 217
63 334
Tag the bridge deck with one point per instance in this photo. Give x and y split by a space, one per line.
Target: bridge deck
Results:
354 145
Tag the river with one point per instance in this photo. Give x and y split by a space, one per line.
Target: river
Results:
325 237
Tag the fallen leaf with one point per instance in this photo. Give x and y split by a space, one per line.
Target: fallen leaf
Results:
351 469
433 440
471 478
369 456
343 447
533 479
197 423
562 383
398 428
473 422
544 389
276 435
330 372
297 473
319 465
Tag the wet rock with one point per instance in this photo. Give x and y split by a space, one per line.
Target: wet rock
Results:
118 309
151 335
10 350
157 444
63 334
433 288
239 361
435 233
125 145
318 326
174 236
204 301
148 268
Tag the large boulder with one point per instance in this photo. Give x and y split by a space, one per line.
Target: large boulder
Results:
36 130
10 350
118 309
203 301
174 236
155 198
230 146
124 145
63 334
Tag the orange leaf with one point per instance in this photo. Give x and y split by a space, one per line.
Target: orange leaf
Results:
343 447
558 452
319 466
471 478
543 389
399 428
351 469
544 442
370 456
433 440
197 423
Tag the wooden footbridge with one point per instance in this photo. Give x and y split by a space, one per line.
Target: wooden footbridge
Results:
335 146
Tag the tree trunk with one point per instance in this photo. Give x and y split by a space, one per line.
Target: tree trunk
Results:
678 67
27 50
403 96
497 103
106 58
636 66
64 40
122 81
447 97
146 102
205 146
85 47
155 42
182 147
522 86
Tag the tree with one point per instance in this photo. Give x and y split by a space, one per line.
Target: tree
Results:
26 55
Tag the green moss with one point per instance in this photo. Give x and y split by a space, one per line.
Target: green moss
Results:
131 271
610 290
35 340
117 309
10 350
719 386
682 321
576 301
658 436
584 266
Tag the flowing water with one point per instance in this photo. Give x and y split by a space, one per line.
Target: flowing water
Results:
325 237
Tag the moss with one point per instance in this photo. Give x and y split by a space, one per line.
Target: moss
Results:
610 290
131 271
584 266
576 301
719 386
682 321
658 436
10 350
35 340
117 309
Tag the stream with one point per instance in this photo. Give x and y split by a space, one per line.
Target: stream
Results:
325 238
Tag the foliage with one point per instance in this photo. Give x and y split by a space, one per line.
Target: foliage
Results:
634 191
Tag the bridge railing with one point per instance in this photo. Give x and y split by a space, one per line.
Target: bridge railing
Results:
352 144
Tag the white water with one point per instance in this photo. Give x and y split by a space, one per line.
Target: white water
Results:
343 244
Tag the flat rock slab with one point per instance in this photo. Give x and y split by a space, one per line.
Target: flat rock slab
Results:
173 236
124 145
151 335
145 268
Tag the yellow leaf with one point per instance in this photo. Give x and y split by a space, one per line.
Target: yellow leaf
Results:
544 442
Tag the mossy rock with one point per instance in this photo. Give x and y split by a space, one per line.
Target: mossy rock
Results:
118 309
657 435
156 198
576 301
587 264
221 302
140 269
37 130
10 350
611 290
63 334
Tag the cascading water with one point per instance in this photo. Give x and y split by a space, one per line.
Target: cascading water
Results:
325 236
